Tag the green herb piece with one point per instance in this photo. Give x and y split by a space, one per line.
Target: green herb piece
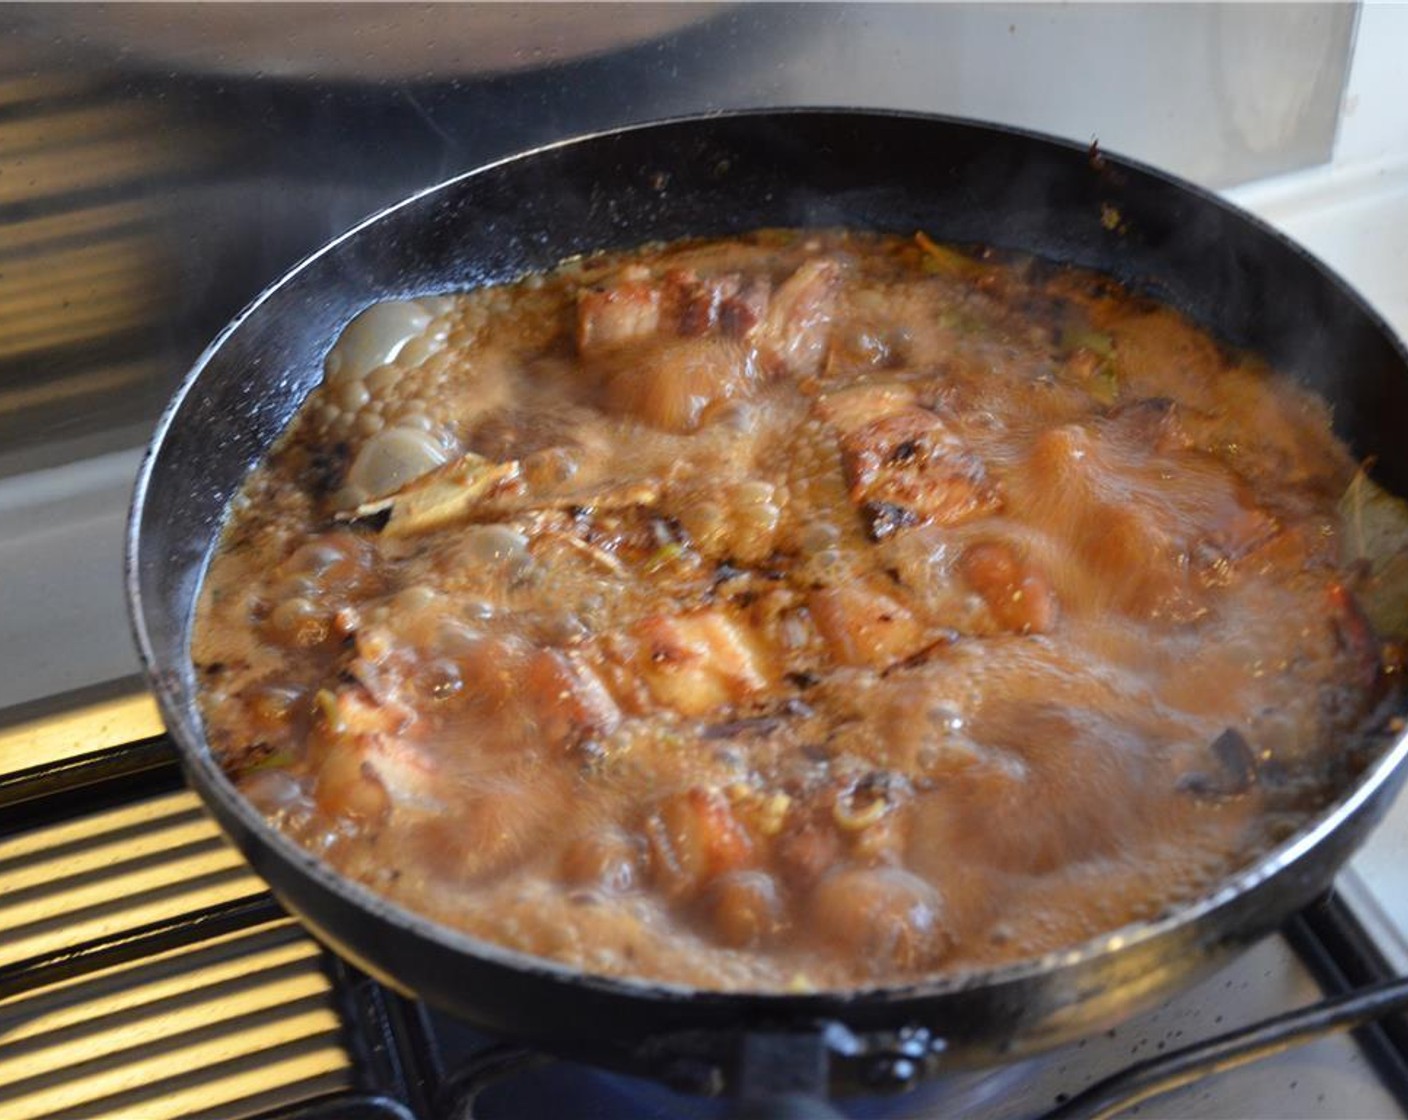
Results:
1105 385
1084 338
666 554
941 260
275 760
1375 536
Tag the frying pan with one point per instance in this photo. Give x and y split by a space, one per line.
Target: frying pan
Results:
712 176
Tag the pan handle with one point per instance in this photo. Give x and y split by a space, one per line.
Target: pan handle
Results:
786 1075
784 1070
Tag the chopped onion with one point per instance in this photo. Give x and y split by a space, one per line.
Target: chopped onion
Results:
392 458
374 338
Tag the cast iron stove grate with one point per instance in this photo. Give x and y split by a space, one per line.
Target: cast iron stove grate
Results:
145 972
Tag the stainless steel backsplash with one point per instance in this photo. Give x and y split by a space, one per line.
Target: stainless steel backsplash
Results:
160 163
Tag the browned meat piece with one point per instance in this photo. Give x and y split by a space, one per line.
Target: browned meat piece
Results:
885 917
745 909
902 464
863 625
849 410
699 662
742 310
667 350
365 763
566 697
733 520
1019 596
672 387
693 838
638 308
627 311
731 304
792 339
908 467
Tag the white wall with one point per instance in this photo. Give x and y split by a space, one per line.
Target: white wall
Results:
1220 93
1374 119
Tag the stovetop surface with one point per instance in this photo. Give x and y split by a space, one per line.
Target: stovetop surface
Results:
143 970
146 973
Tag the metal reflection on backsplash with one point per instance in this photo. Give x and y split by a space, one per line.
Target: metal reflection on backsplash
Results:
89 271
159 165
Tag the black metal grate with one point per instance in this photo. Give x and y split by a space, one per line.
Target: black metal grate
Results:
378 1054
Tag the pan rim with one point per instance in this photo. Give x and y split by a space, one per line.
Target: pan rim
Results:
224 799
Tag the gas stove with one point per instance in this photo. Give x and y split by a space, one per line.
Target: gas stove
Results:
145 972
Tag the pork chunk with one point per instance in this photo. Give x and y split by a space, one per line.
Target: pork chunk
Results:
909 467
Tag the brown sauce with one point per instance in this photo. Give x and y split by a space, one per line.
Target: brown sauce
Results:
796 611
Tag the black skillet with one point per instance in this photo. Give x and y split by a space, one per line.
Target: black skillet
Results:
712 176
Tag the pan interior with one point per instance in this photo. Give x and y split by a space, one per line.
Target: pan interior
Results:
715 176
